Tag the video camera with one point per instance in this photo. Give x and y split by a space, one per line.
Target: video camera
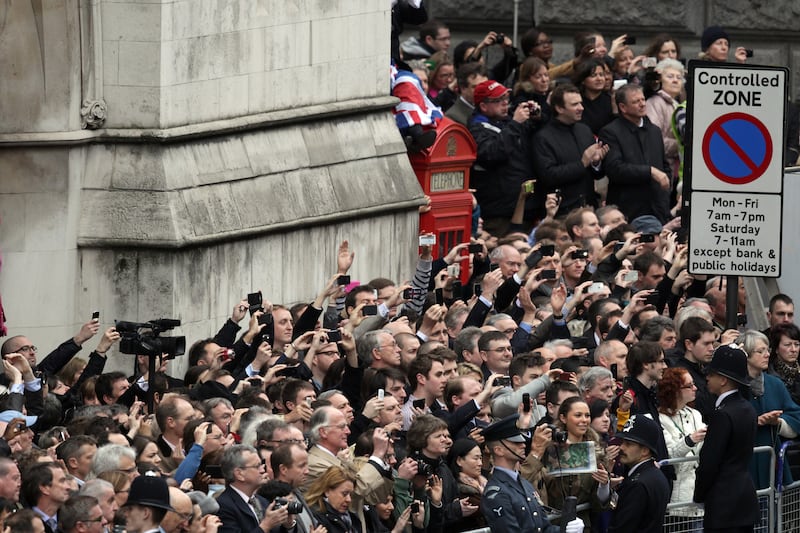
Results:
142 338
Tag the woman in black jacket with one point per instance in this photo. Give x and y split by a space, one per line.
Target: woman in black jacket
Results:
329 499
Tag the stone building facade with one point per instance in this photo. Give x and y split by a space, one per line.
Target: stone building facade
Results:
163 158
770 28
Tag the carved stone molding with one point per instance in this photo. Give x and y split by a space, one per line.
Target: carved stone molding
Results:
93 114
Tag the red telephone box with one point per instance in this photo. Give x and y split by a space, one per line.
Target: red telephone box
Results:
443 172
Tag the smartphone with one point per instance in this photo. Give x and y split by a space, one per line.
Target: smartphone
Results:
475 248
334 335
254 382
647 237
439 296
748 52
266 318
427 240
343 280
652 298
557 192
494 266
580 254
529 186
210 429
370 310
547 274
630 39
504 381
526 403
454 270
649 62
409 294
419 404
96 316
381 394
214 471
477 290
618 246
456 289
618 84
548 250
255 301
741 319
566 376
631 275
414 507
596 287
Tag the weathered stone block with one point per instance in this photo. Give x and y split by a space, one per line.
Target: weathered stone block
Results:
29 170
212 210
138 167
131 21
142 61
133 107
276 150
755 16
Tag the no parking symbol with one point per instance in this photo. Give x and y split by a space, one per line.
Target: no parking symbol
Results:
737 148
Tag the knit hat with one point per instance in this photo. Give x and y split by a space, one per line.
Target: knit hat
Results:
711 34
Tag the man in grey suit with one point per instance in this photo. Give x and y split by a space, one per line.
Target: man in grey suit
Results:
469 75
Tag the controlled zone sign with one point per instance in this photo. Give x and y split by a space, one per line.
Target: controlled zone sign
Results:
733 175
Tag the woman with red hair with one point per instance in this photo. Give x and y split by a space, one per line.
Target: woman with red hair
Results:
684 432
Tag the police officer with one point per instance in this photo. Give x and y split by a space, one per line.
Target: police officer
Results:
723 480
644 494
509 502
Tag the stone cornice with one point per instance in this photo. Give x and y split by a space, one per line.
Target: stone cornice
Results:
201 130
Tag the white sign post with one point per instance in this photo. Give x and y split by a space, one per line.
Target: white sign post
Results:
734 168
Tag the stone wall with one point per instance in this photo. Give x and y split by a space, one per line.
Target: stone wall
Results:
770 28
164 158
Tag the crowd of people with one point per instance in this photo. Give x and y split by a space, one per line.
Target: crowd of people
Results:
538 376
426 405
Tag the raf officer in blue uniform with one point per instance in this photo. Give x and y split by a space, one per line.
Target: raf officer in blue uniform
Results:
509 502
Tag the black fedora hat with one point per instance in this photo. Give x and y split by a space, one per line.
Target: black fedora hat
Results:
149 491
730 360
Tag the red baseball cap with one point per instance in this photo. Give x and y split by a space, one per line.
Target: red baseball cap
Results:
489 89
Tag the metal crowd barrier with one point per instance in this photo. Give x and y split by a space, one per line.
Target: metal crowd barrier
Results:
779 505
787 495
687 517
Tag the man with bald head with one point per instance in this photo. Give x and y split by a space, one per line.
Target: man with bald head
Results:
611 354
177 520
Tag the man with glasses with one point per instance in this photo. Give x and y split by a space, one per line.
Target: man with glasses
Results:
81 514
241 509
179 519
496 353
59 357
115 457
503 162
434 36
382 348
329 431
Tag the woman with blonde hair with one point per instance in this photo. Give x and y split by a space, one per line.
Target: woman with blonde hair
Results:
329 498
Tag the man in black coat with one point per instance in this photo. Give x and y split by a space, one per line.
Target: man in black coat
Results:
723 481
644 494
639 179
241 509
503 160
567 156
